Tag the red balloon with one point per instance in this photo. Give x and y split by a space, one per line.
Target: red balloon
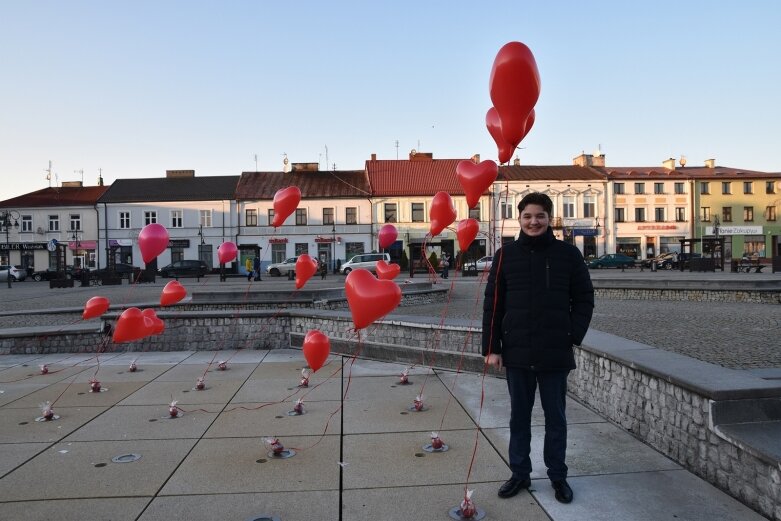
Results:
285 202
529 122
466 231
316 349
494 125
387 235
153 323
370 298
130 326
442 213
387 271
306 266
475 179
227 252
514 88
172 293
152 241
95 307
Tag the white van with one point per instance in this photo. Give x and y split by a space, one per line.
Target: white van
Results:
364 260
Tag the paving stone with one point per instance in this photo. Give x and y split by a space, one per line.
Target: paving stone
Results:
114 509
20 424
130 422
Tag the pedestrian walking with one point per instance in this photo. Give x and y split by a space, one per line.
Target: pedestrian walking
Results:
256 267
538 304
248 266
445 265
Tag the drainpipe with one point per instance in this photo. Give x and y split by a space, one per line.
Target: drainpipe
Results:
97 252
105 220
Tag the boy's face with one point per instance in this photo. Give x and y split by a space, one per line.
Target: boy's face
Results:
534 220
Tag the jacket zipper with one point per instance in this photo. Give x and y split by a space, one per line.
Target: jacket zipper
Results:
547 273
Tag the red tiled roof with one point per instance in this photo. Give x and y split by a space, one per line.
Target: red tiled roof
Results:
398 177
697 172
313 184
59 196
549 173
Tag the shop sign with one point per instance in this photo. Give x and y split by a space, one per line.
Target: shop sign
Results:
586 232
324 239
179 243
657 227
735 230
22 246
281 240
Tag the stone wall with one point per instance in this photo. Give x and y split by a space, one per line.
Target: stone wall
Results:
697 295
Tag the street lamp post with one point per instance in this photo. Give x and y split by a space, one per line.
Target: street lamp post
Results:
6 216
597 227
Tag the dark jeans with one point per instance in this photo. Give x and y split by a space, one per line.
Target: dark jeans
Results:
522 384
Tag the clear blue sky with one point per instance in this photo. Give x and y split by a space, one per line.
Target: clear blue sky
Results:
139 87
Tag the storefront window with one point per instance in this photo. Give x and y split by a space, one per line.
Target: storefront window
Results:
278 252
629 246
754 244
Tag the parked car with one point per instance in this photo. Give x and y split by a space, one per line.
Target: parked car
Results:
17 273
51 274
612 260
366 261
282 268
481 264
120 269
185 268
659 260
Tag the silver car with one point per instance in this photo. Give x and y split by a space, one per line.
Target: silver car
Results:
16 273
282 268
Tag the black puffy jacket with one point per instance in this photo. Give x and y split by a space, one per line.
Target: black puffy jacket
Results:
538 303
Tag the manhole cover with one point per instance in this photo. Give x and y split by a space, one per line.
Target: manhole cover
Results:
126 458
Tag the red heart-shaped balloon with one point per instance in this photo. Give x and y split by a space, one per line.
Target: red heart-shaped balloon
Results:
386 270
152 241
306 266
316 349
476 179
514 88
442 213
95 307
227 252
387 235
172 293
153 323
130 326
494 124
285 202
466 231
370 298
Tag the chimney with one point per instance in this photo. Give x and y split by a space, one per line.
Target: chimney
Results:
710 163
517 161
669 163
414 155
583 160
374 157
306 167
100 180
476 159
177 174
72 184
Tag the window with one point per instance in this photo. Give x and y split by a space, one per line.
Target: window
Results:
474 213
589 206
705 214
278 252
639 188
176 218
351 215
150 217
417 212
177 254
328 216
250 217
771 213
770 187
301 248
748 187
726 214
619 188
639 215
568 206
704 187
352 249
679 188
54 223
390 213
27 223
658 188
620 215
680 214
75 222
507 210
205 218
659 215
748 213
300 219
271 220
726 187
124 220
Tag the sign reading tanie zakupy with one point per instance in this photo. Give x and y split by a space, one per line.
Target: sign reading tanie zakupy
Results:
735 230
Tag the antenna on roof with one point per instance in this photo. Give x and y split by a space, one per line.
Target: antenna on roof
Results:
285 164
49 173
82 175
397 148
256 162
326 157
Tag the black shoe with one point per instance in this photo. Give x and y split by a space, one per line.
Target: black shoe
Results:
512 486
563 492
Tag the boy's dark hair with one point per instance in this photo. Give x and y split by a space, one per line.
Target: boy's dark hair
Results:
536 198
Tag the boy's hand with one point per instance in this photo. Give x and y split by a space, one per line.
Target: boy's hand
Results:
494 360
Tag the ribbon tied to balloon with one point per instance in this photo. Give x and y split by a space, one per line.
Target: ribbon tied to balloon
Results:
442 212
370 298
317 347
172 293
387 270
227 252
285 202
95 307
306 266
476 179
152 241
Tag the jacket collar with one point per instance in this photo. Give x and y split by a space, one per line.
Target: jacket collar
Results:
543 240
